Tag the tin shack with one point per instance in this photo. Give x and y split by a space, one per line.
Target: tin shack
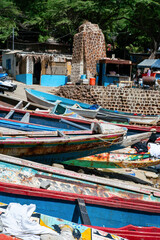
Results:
113 71
45 69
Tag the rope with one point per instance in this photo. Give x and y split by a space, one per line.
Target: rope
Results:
107 141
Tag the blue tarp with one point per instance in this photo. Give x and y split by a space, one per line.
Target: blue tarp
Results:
149 63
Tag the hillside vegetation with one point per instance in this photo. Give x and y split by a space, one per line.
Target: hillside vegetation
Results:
132 25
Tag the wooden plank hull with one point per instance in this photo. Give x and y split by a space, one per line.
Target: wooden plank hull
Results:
101 212
23 172
93 162
12 102
50 120
139 128
92 233
12 124
125 114
33 119
57 149
135 233
35 95
124 158
50 101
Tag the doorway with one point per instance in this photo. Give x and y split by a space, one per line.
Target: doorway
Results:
37 73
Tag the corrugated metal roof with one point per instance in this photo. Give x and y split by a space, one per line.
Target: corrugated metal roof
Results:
156 64
147 63
13 51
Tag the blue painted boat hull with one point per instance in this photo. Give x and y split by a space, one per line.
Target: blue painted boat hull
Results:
53 98
98 214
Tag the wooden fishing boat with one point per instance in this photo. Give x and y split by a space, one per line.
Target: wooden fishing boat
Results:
58 148
132 129
50 101
122 158
25 126
12 102
130 232
27 173
135 233
28 118
88 210
133 118
78 231
35 121
28 121
41 118
61 228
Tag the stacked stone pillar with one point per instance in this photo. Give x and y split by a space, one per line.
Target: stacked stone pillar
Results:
88 47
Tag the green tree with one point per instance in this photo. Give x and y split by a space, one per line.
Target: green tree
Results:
9 19
124 23
63 17
141 24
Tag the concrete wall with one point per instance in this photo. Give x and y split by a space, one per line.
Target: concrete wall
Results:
115 98
25 78
53 80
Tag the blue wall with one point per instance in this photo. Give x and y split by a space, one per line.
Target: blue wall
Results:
46 80
53 80
25 78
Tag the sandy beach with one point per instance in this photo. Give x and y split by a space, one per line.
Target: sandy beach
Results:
20 91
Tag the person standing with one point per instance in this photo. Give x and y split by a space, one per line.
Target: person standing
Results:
149 72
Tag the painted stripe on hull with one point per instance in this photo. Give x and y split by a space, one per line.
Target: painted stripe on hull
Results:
99 215
64 149
116 164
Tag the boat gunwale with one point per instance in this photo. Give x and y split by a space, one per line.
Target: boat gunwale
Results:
115 202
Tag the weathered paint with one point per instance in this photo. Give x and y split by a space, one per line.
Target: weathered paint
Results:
112 186
18 174
33 178
49 100
47 120
111 212
113 164
128 159
5 237
59 148
12 102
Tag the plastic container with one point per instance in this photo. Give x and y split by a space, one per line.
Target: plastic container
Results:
83 76
92 81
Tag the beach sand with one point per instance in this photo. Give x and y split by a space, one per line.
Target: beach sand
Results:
20 91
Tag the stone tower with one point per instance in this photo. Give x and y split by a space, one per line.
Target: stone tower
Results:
88 47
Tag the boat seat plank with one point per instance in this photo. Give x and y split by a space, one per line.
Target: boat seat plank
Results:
29 134
83 212
19 104
9 115
61 134
73 124
25 118
27 105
